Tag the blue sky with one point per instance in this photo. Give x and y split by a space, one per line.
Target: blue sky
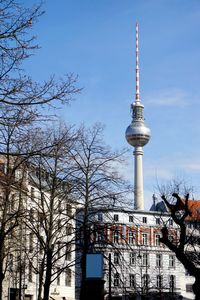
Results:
96 40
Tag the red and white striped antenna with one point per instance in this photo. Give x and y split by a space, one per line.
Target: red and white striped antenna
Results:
137 95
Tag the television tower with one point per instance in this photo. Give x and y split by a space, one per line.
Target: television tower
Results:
138 135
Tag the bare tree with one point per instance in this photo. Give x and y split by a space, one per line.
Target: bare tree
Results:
13 181
17 44
185 214
96 184
21 100
51 213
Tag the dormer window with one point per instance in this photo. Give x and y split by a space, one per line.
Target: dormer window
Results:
144 220
116 218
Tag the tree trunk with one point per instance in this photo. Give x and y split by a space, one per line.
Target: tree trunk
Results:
41 274
83 276
1 264
1 282
48 275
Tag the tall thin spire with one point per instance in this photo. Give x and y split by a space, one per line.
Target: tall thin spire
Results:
137 95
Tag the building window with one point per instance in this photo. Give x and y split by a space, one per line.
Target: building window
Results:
69 210
11 262
31 215
170 222
99 235
59 225
58 276
157 239
116 218
158 260
145 259
116 279
59 206
58 249
171 261
116 258
32 193
68 277
189 288
68 252
132 258
69 229
144 220
30 273
145 280
144 239
31 242
172 282
132 280
131 238
116 236
157 221
100 217
159 281
131 219
12 202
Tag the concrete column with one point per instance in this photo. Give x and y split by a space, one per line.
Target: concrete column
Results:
138 184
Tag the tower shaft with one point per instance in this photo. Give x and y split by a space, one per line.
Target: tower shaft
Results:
138 180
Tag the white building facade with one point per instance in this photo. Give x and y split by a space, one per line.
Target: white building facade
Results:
140 264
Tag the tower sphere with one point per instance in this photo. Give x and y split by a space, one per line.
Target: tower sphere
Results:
138 134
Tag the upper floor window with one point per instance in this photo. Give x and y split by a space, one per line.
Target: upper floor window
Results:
131 219
132 280
100 217
171 261
157 240
99 235
144 239
30 272
31 242
158 260
58 249
145 259
69 210
68 252
116 258
159 281
157 221
132 258
144 220
116 279
170 222
68 277
172 282
115 236
145 280
58 276
32 193
116 218
189 288
131 237
69 229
